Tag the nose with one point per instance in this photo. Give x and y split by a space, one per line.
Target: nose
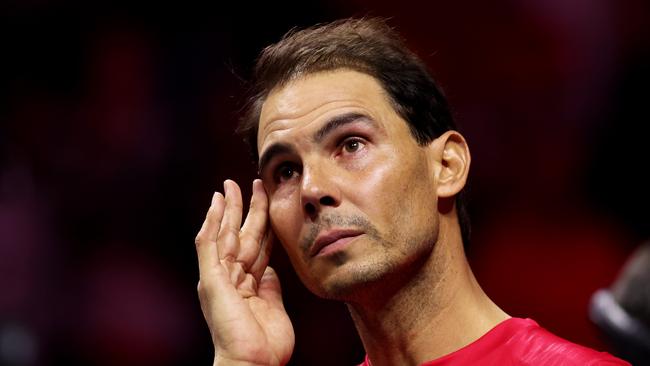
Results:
318 189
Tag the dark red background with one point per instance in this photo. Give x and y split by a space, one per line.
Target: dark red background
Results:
116 125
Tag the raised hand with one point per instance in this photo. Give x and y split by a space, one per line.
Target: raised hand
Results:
240 295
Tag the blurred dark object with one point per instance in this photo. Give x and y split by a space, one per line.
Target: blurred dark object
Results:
623 311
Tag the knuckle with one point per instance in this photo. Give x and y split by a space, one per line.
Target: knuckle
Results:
234 202
262 204
227 232
209 213
253 204
213 212
229 258
201 290
250 242
258 205
214 215
203 287
198 239
245 237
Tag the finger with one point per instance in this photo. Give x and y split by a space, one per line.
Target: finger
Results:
228 237
261 262
252 233
205 240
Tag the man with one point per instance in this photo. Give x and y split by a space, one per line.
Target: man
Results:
361 170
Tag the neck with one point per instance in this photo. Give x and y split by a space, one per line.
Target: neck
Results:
439 310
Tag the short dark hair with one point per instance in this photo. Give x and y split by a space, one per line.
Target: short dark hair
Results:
367 45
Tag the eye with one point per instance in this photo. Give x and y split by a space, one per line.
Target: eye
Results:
285 172
352 145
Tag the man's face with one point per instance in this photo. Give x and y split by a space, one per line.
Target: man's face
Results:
351 194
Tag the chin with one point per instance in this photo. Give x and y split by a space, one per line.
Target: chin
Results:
351 282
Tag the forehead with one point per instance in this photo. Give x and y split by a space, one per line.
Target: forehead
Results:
306 99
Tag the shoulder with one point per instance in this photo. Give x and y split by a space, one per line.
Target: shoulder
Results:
522 342
535 345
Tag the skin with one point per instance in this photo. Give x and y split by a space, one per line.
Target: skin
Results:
368 170
337 158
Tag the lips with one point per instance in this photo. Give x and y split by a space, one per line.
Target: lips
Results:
329 237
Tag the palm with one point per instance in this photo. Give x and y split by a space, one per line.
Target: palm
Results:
240 295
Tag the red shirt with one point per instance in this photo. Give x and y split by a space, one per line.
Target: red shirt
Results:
522 342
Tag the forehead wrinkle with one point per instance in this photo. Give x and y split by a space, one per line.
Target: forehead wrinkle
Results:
286 106
281 123
280 117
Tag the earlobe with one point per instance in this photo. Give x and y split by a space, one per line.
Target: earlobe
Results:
454 161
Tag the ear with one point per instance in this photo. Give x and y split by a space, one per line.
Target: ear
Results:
451 156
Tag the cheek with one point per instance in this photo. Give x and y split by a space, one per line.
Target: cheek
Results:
395 192
378 185
285 219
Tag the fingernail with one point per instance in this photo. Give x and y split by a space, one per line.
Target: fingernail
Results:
225 187
214 198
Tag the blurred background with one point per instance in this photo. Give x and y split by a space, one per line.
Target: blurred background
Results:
116 125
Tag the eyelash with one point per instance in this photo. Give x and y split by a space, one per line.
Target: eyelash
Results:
351 139
277 175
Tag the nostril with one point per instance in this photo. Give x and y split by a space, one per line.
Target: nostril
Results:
310 209
326 201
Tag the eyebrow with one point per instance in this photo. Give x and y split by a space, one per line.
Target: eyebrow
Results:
329 127
339 121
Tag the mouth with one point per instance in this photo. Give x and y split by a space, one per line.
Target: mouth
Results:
332 240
